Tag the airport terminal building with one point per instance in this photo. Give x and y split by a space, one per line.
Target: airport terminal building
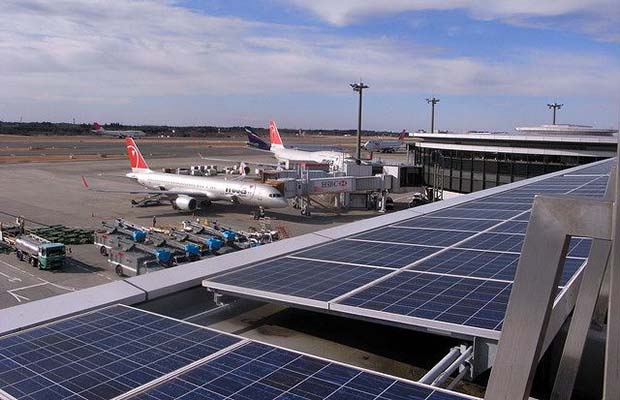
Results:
468 162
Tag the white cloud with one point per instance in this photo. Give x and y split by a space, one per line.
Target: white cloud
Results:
107 52
595 17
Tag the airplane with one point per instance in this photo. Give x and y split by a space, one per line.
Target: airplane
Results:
284 154
119 134
188 193
386 146
287 154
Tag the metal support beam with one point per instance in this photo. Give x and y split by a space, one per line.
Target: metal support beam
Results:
611 384
553 221
589 290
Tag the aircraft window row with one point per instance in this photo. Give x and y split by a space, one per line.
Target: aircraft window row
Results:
275 195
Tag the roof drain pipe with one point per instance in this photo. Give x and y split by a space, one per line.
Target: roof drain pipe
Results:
457 356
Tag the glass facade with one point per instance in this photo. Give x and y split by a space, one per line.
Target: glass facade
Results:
469 171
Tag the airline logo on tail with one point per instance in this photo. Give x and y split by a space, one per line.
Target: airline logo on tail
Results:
135 157
402 135
254 140
274 135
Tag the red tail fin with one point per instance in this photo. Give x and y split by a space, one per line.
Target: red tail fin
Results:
135 157
274 135
96 126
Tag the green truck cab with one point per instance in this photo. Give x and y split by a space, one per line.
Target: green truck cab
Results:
40 252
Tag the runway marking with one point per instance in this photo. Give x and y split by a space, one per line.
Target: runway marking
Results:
20 297
42 282
11 278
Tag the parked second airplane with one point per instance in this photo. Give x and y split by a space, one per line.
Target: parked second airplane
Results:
98 129
187 193
386 146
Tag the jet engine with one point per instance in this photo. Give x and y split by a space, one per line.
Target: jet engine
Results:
185 203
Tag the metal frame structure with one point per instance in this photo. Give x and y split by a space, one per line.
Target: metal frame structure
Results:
531 307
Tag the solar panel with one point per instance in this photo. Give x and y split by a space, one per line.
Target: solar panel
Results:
466 301
101 355
426 237
511 227
488 205
475 214
467 225
495 241
290 276
466 245
112 351
483 264
257 371
367 253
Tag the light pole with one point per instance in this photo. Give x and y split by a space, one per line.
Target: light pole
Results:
432 102
359 87
554 106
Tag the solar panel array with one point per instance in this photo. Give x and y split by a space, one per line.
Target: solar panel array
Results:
451 269
126 352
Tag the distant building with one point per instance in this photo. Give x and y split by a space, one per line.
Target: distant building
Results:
470 162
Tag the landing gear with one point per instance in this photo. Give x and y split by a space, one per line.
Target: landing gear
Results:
305 210
260 214
119 270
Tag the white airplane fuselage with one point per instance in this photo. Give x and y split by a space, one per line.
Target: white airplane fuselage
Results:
383 145
213 189
321 157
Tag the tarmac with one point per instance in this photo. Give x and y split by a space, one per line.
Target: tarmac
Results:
44 185
40 179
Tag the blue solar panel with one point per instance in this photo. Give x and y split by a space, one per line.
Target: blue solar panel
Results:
374 254
426 237
488 205
468 225
101 355
291 276
475 214
496 242
579 247
257 371
601 169
511 227
484 264
523 217
464 301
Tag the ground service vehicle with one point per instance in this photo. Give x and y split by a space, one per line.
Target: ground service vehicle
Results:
39 252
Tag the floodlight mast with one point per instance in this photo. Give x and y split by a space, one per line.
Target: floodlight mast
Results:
555 107
359 87
432 101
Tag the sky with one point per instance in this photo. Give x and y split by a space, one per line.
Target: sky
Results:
494 64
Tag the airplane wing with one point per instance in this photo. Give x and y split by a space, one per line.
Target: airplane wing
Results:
271 165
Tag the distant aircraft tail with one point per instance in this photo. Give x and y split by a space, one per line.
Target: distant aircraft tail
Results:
274 136
97 127
402 135
135 157
254 140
